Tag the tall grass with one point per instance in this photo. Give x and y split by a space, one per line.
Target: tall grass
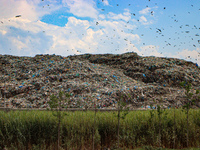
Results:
24 129
38 130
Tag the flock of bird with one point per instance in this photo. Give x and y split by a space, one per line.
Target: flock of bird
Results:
179 33
183 35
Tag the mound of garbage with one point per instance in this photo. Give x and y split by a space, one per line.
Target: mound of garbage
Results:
96 79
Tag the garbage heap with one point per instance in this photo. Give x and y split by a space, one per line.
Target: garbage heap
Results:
100 80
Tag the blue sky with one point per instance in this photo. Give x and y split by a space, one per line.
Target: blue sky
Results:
163 28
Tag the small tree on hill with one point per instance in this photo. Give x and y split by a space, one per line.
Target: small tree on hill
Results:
56 105
121 106
190 102
159 111
94 124
174 129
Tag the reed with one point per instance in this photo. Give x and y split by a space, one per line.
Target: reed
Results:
38 129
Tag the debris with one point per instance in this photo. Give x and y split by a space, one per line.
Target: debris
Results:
28 82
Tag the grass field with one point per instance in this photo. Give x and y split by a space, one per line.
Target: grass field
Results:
153 148
38 130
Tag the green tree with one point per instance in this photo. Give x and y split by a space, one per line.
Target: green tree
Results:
174 128
121 106
187 86
56 104
159 111
94 124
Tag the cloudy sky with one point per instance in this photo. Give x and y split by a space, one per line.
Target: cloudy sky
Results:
164 28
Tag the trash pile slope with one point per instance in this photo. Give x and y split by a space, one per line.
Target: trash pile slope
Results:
100 79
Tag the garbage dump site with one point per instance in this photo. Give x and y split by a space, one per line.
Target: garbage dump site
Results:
96 80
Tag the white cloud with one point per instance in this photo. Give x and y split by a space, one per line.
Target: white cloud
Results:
81 8
27 36
30 10
188 55
77 23
23 37
150 50
144 21
101 16
105 2
145 11
171 55
118 28
3 32
126 16
12 8
87 40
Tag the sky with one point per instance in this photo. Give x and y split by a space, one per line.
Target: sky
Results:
161 28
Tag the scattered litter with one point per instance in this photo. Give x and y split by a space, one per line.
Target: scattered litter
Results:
100 80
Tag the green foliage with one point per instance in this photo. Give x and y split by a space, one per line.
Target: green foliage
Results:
197 91
122 106
151 112
159 108
152 148
187 86
38 129
58 104
123 109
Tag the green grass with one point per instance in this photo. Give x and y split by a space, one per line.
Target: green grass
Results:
153 148
38 130
156 148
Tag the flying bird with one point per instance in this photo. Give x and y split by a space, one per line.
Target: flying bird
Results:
159 30
18 16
